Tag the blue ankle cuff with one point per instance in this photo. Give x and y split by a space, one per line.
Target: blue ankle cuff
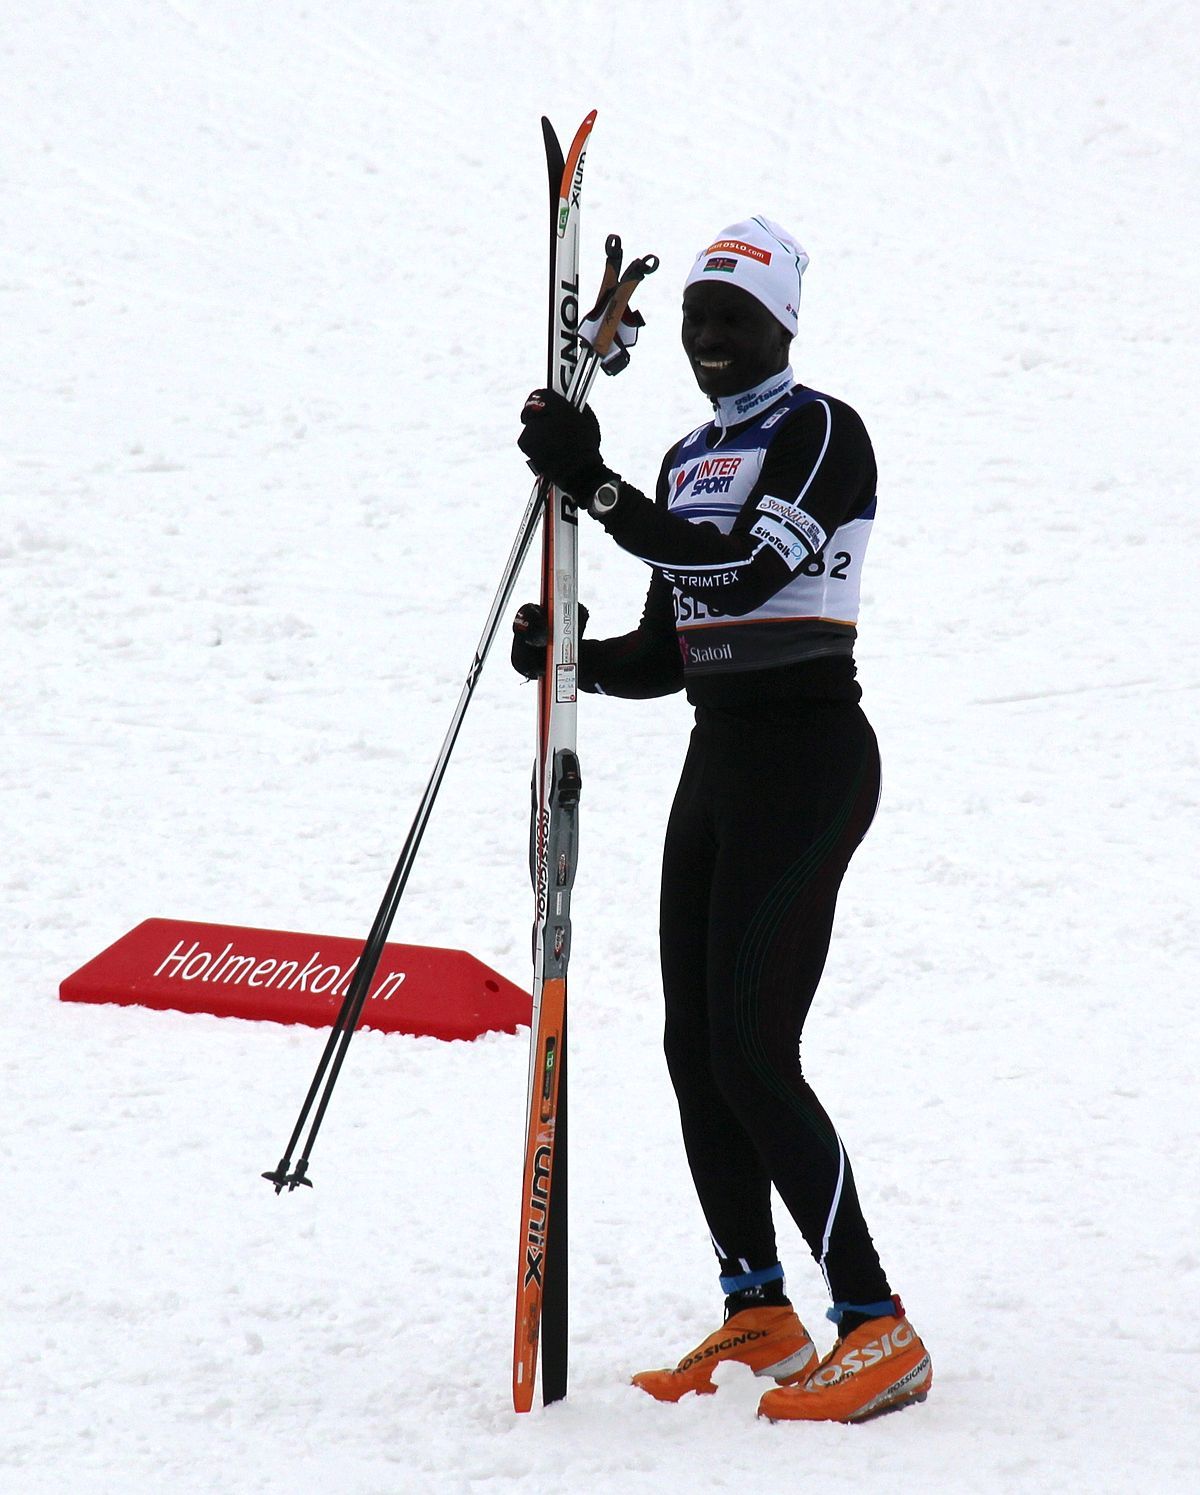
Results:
744 1280
868 1310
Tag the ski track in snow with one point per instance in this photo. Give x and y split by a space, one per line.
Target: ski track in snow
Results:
272 287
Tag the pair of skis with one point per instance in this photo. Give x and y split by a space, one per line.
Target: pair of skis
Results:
541 1316
541 1308
575 353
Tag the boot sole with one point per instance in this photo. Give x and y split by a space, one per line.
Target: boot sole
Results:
897 1406
868 1414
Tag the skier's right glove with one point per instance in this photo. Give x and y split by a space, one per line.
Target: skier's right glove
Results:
562 443
530 637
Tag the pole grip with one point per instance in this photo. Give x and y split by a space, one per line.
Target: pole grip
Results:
618 303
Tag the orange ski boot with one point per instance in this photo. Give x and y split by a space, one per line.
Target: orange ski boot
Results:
879 1367
771 1341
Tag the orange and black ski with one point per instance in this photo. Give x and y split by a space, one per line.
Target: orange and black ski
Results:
576 349
541 1316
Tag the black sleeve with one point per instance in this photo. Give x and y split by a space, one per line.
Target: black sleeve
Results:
640 664
821 460
819 472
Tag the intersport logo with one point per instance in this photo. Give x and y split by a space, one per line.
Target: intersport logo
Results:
709 475
867 1355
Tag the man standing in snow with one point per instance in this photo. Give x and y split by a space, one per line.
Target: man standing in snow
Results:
756 538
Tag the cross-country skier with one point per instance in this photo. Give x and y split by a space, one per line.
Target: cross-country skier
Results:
756 538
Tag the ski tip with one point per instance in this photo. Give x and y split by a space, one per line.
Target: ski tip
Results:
588 121
574 162
582 135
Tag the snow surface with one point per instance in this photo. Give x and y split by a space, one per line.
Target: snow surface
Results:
271 286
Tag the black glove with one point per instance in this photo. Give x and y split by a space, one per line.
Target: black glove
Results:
530 637
563 444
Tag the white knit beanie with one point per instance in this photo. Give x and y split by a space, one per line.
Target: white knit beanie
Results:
760 257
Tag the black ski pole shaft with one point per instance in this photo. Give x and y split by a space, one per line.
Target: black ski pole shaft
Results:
334 1054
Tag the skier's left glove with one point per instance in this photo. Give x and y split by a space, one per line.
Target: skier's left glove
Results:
530 637
563 444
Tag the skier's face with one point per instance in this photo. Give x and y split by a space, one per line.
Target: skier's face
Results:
731 340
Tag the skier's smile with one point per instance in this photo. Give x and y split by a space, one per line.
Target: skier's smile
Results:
731 340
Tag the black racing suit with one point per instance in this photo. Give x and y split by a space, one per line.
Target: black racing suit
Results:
756 535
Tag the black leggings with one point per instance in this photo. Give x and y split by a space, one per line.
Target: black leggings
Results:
765 820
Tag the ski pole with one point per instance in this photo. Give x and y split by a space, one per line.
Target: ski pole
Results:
334 1054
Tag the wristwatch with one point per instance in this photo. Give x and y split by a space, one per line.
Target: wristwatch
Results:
605 498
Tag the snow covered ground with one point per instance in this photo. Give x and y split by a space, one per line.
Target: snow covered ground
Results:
271 290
